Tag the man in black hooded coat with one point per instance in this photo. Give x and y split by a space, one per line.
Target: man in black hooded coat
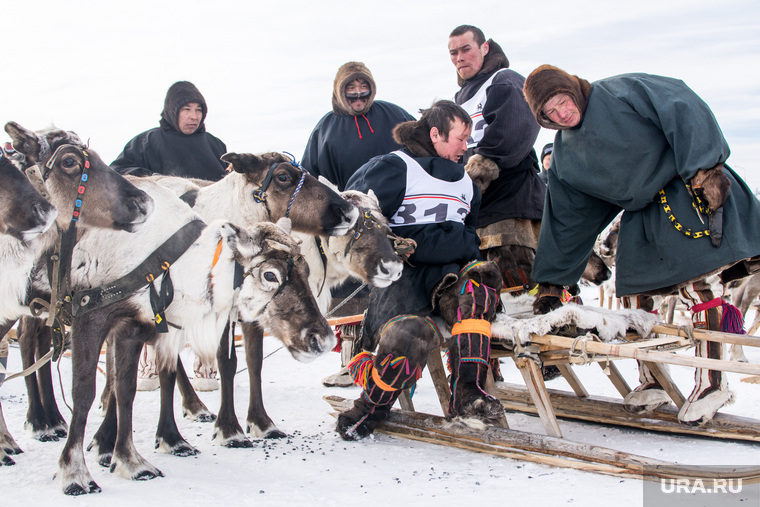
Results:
179 146
168 150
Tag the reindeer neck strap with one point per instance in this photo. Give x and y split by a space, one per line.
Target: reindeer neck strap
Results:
156 264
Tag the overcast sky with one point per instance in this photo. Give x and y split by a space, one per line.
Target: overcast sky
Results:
266 68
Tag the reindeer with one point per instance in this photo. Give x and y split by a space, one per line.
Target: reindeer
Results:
364 251
120 206
25 219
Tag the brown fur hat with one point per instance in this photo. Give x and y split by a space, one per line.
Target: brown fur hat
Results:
347 73
547 81
178 95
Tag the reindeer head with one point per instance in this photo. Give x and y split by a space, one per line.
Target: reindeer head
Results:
275 290
79 184
287 191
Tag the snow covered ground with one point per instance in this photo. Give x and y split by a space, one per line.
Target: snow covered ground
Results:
314 466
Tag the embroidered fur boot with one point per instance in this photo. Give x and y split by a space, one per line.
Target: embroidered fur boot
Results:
469 355
711 386
403 348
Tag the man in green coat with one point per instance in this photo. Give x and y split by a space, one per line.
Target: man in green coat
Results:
650 147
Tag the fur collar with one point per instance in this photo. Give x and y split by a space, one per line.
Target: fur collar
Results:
415 137
493 61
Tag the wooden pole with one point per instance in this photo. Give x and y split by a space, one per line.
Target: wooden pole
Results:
622 350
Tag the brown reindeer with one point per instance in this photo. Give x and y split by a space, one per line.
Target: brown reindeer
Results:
119 206
25 217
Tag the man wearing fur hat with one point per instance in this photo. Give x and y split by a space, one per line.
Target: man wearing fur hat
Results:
650 147
179 146
500 157
357 129
428 197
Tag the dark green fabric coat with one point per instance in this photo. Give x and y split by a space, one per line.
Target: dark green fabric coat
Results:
640 133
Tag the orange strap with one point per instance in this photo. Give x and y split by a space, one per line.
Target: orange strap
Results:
217 254
479 326
379 382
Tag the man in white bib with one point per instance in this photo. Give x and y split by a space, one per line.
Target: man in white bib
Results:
427 196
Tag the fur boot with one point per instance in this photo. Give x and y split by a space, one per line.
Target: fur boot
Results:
147 374
469 355
711 386
648 396
403 347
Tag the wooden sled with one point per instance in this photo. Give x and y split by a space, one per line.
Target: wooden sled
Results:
535 398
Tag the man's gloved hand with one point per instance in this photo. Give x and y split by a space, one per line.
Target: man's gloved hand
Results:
482 171
548 298
711 185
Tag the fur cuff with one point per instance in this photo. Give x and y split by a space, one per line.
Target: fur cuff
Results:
482 170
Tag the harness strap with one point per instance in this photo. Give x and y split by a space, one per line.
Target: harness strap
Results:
479 326
379 382
323 258
159 261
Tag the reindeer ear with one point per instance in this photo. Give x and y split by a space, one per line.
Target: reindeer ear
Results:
235 160
371 195
285 224
24 141
328 184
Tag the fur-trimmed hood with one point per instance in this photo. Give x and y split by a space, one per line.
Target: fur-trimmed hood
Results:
415 137
179 94
493 61
547 81
347 73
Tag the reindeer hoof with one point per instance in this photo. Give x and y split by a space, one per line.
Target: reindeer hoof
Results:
7 461
104 460
77 489
236 443
147 475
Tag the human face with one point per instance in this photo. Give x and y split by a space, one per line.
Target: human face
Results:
357 86
561 109
466 55
456 144
547 161
190 116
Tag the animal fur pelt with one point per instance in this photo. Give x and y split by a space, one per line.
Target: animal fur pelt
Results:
482 170
607 324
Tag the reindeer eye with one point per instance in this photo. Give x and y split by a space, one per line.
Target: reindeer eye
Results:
283 178
69 162
270 277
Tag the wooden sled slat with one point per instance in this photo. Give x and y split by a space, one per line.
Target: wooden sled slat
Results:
541 449
607 410
623 350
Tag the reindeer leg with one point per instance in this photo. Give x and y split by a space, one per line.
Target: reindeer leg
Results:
192 406
105 438
55 424
126 461
35 414
7 444
258 423
168 437
227 431
72 473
